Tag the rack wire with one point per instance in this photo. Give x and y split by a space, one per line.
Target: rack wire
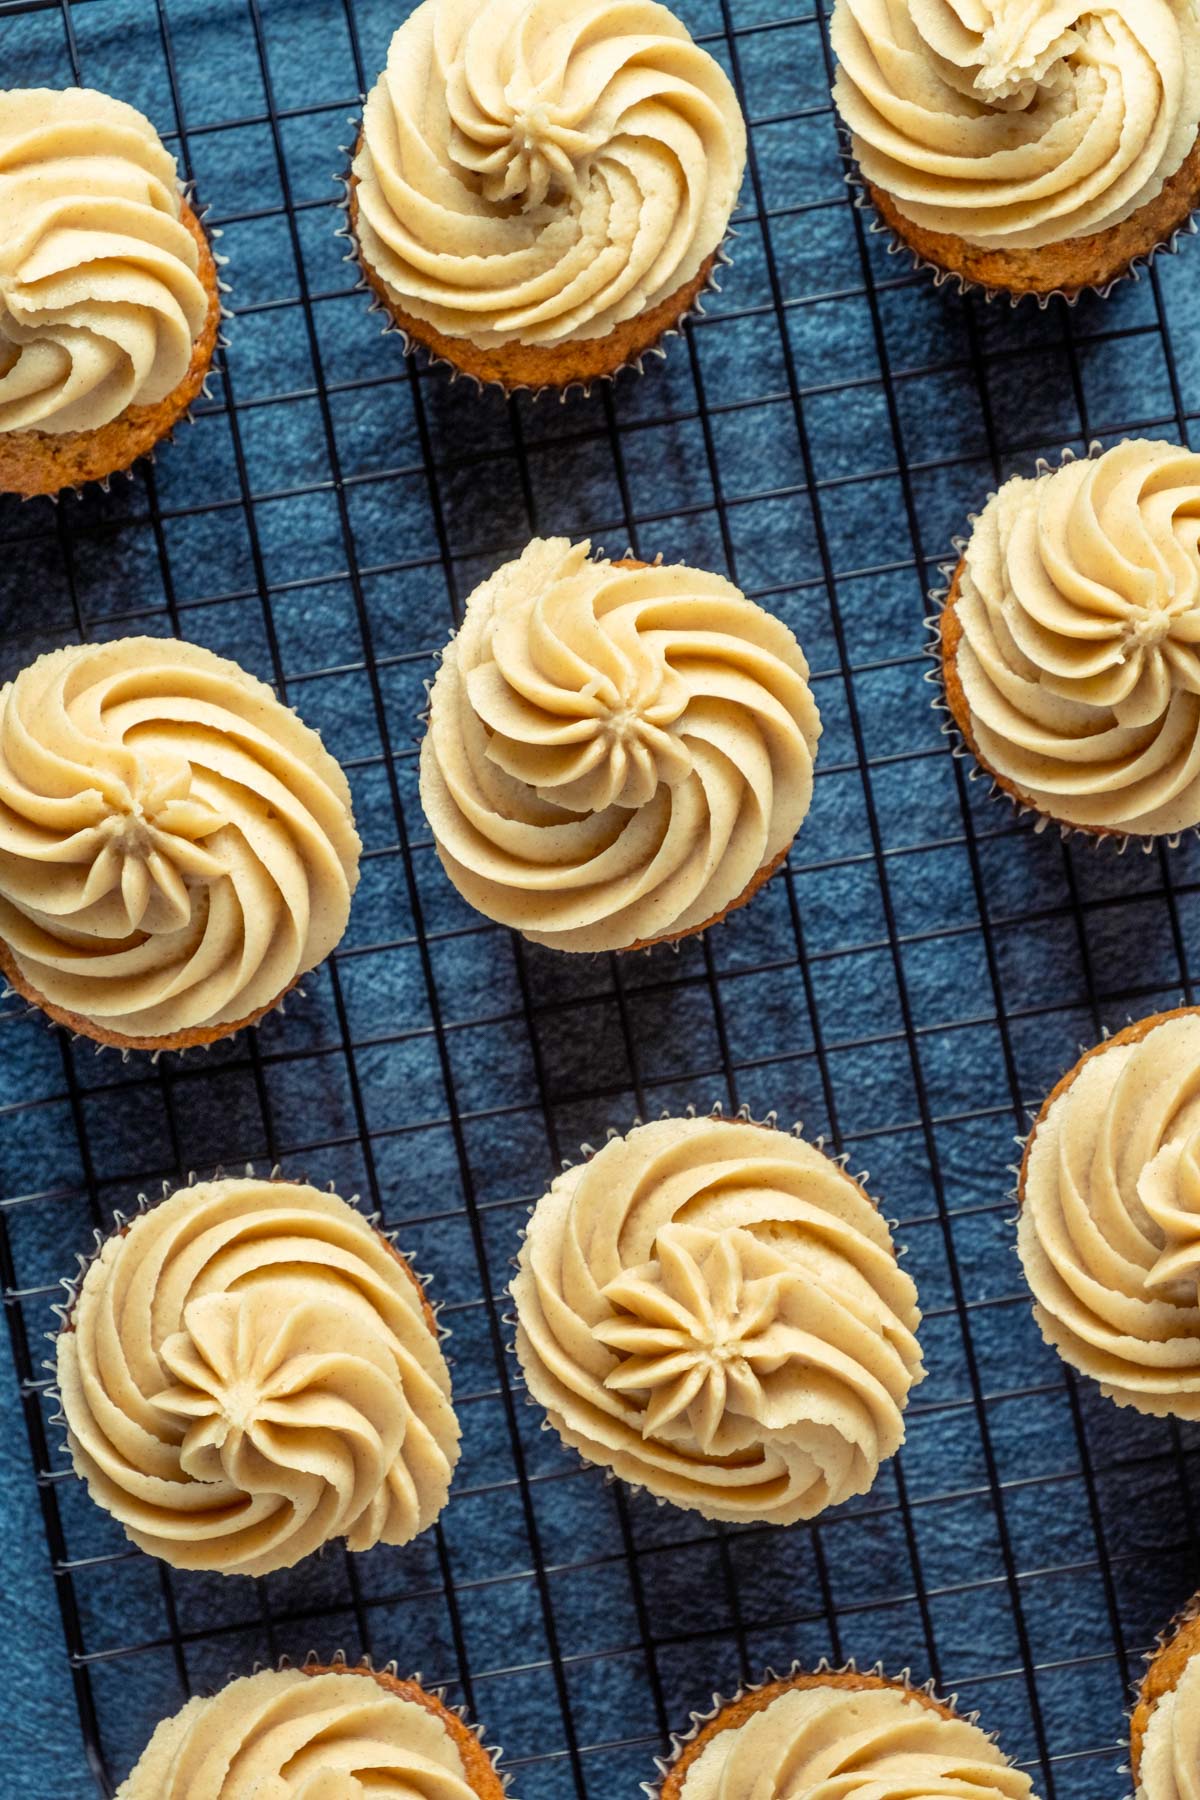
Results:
910 985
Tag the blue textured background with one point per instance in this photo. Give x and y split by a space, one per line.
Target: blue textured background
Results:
927 1018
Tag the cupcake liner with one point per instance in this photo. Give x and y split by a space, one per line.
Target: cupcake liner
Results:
898 246
770 1122
188 417
960 749
410 345
680 1740
29 1009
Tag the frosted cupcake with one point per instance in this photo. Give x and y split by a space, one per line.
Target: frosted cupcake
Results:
176 847
1034 149
839 1732
317 1733
109 303
617 755
1070 642
249 1371
1109 1228
714 1311
541 187
1165 1727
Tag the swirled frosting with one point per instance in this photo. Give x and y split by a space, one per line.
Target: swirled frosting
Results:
101 297
714 1310
1170 1758
1109 1232
176 846
285 1735
872 1743
614 753
1014 125
535 171
248 1373
1079 601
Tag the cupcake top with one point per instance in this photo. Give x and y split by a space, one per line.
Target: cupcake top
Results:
1109 1231
250 1371
713 1309
176 847
101 295
286 1735
1014 126
615 752
875 1739
1079 603
1170 1747
534 171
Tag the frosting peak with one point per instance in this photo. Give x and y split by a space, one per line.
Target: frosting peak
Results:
1079 602
714 1310
615 752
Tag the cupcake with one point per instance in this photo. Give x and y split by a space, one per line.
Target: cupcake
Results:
617 754
249 1371
109 302
1165 1727
323 1732
839 1732
1070 642
1109 1226
1032 149
176 847
713 1310
541 188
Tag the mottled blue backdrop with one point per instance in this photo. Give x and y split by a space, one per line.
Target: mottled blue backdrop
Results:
920 974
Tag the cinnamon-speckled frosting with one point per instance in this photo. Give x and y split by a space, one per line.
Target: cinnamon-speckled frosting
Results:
1109 1231
1170 1760
714 1310
535 171
285 1735
613 753
1079 602
878 1743
1014 125
249 1372
176 846
101 298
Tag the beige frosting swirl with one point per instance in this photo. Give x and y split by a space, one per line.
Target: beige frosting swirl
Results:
1170 1761
714 1310
831 1743
1109 1231
285 1735
176 846
1014 125
1079 601
249 1372
614 753
101 298
541 170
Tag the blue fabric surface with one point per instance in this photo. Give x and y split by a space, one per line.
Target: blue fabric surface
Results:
883 890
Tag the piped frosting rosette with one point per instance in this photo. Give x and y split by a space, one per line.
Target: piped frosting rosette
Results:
248 1372
1016 126
1078 601
101 293
615 753
1109 1231
1171 1747
176 847
285 1734
536 171
714 1311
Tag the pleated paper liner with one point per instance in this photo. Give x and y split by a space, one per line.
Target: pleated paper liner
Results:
954 729
219 316
411 342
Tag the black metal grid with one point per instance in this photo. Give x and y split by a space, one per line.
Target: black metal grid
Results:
910 985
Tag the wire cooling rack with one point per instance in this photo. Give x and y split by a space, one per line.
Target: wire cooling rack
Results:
918 976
